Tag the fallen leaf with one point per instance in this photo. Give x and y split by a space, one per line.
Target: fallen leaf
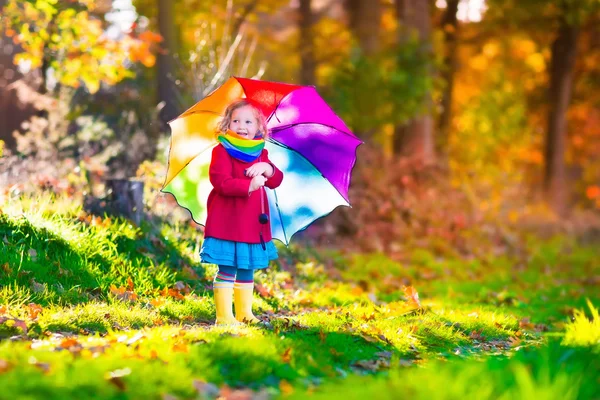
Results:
116 377
412 295
182 287
138 336
287 355
286 387
525 323
37 287
322 336
384 354
68 343
189 273
45 367
405 363
368 317
4 366
335 353
157 302
118 382
514 341
172 292
34 310
181 347
369 338
7 269
373 365
476 335
261 290
123 294
10 322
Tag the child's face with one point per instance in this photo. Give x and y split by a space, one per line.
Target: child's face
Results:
243 122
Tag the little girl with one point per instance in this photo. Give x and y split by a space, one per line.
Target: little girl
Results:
237 235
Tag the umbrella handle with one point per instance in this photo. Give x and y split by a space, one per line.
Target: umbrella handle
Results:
262 242
263 218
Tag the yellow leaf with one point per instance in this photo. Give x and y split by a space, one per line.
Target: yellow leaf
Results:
92 83
286 387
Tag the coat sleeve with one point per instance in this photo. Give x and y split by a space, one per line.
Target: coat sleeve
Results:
274 181
220 173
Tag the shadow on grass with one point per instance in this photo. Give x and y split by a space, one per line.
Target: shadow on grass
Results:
295 354
42 267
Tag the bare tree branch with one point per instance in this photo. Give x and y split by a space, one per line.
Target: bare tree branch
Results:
248 8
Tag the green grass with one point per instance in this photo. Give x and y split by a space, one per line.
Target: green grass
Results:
99 308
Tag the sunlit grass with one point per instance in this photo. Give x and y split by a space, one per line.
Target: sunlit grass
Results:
584 331
138 306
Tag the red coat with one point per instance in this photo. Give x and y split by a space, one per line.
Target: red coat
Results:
232 214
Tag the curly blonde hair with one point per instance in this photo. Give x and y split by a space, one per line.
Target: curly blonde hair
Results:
260 118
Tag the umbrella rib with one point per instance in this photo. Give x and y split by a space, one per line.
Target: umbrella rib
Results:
287 242
182 206
186 164
280 128
195 112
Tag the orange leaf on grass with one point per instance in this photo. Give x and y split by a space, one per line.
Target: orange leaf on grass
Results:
181 347
287 355
122 294
514 341
369 338
68 343
476 335
264 292
286 387
34 310
525 323
412 295
322 336
129 284
157 302
175 294
7 269
4 366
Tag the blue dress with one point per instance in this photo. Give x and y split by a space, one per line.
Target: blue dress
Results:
237 254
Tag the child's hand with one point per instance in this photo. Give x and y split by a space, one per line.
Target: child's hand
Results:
256 183
260 168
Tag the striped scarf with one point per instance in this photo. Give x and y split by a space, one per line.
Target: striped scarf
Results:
246 150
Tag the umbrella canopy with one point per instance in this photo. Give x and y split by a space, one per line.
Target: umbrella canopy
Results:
310 144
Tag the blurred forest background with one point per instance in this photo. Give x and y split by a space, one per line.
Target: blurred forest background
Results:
476 114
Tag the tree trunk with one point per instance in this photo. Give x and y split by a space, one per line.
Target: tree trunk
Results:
449 25
415 140
306 45
126 198
561 82
365 23
165 63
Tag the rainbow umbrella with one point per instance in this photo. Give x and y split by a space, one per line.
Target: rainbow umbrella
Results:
311 145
